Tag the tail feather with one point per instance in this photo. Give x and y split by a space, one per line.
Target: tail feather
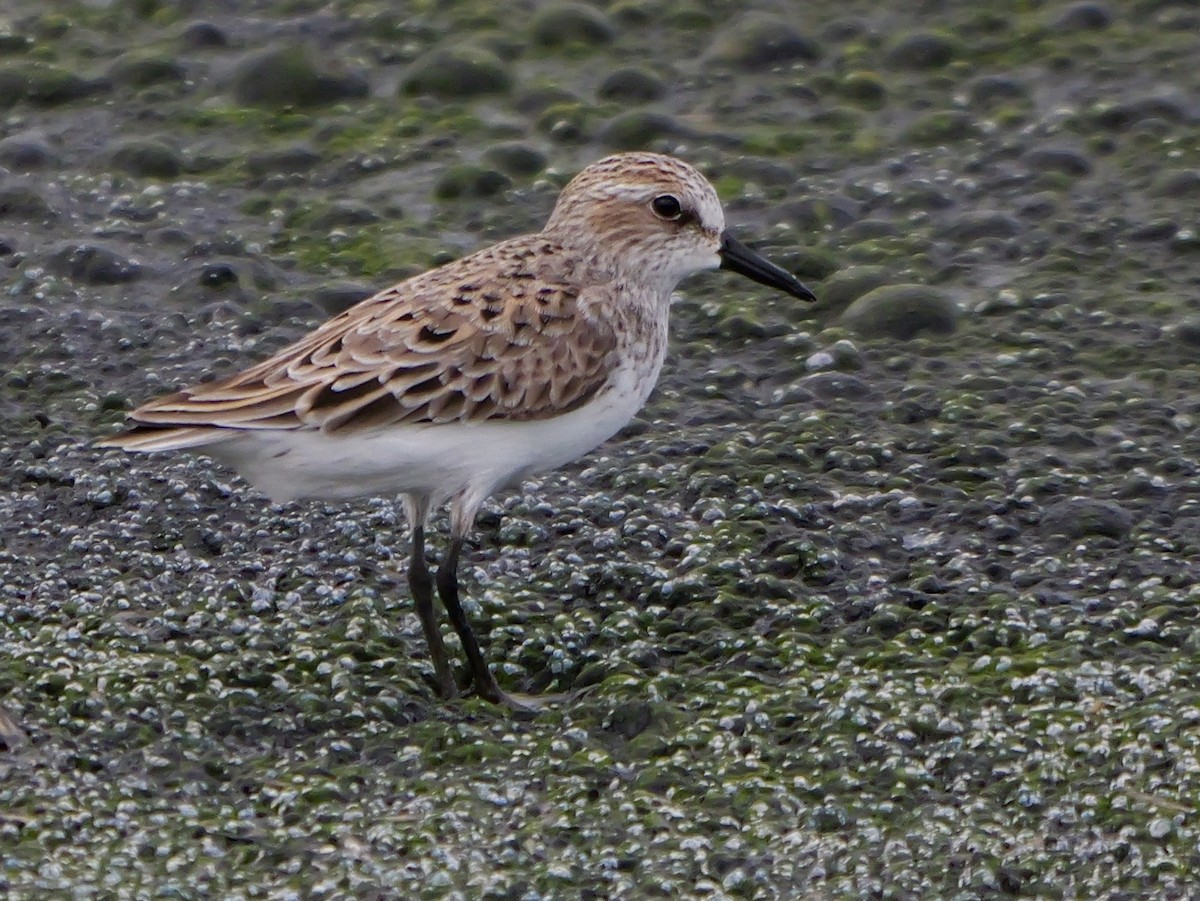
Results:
160 438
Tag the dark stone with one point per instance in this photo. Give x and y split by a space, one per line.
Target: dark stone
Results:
922 50
865 89
11 43
296 158
288 76
537 100
1157 230
27 151
345 212
1122 115
515 158
93 265
339 296
990 89
637 130
1079 517
847 285
836 386
1188 332
980 224
217 276
461 70
632 86
52 86
559 24
902 311
24 202
1084 16
1038 206
1058 159
470 181
147 158
141 72
942 127
866 229
760 40
1181 183
203 36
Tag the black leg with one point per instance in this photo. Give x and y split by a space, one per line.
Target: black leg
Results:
447 583
421 583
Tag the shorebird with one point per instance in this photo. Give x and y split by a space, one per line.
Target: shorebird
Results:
466 379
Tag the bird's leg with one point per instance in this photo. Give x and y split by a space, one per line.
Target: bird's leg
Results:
447 584
485 682
420 581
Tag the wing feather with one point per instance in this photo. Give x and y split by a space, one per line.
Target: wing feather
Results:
501 334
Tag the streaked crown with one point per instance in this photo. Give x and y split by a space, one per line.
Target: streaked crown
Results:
642 214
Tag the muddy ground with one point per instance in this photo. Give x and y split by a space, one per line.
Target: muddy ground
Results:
893 597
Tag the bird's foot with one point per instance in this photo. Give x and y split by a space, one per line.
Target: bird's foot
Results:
517 702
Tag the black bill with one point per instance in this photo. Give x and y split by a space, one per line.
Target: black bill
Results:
737 257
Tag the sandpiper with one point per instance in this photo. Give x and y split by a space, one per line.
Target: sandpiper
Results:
468 378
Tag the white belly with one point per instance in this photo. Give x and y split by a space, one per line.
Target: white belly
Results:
434 461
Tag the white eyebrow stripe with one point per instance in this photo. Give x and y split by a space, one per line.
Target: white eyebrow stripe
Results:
626 192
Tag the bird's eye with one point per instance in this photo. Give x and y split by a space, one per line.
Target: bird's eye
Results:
667 206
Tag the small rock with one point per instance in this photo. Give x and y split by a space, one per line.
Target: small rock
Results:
1058 159
216 276
203 36
813 213
847 285
1079 517
632 86
836 385
866 89
902 311
1156 230
559 24
536 101
147 158
515 158
52 86
457 71
760 40
637 129
1041 205
345 212
24 202
143 71
868 229
942 127
980 224
760 170
295 158
1084 16
1188 332
922 196
1122 115
1147 628
12 43
922 50
1181 183
339 296
470 181
288 76
990 89
27 151
849 29
93 264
